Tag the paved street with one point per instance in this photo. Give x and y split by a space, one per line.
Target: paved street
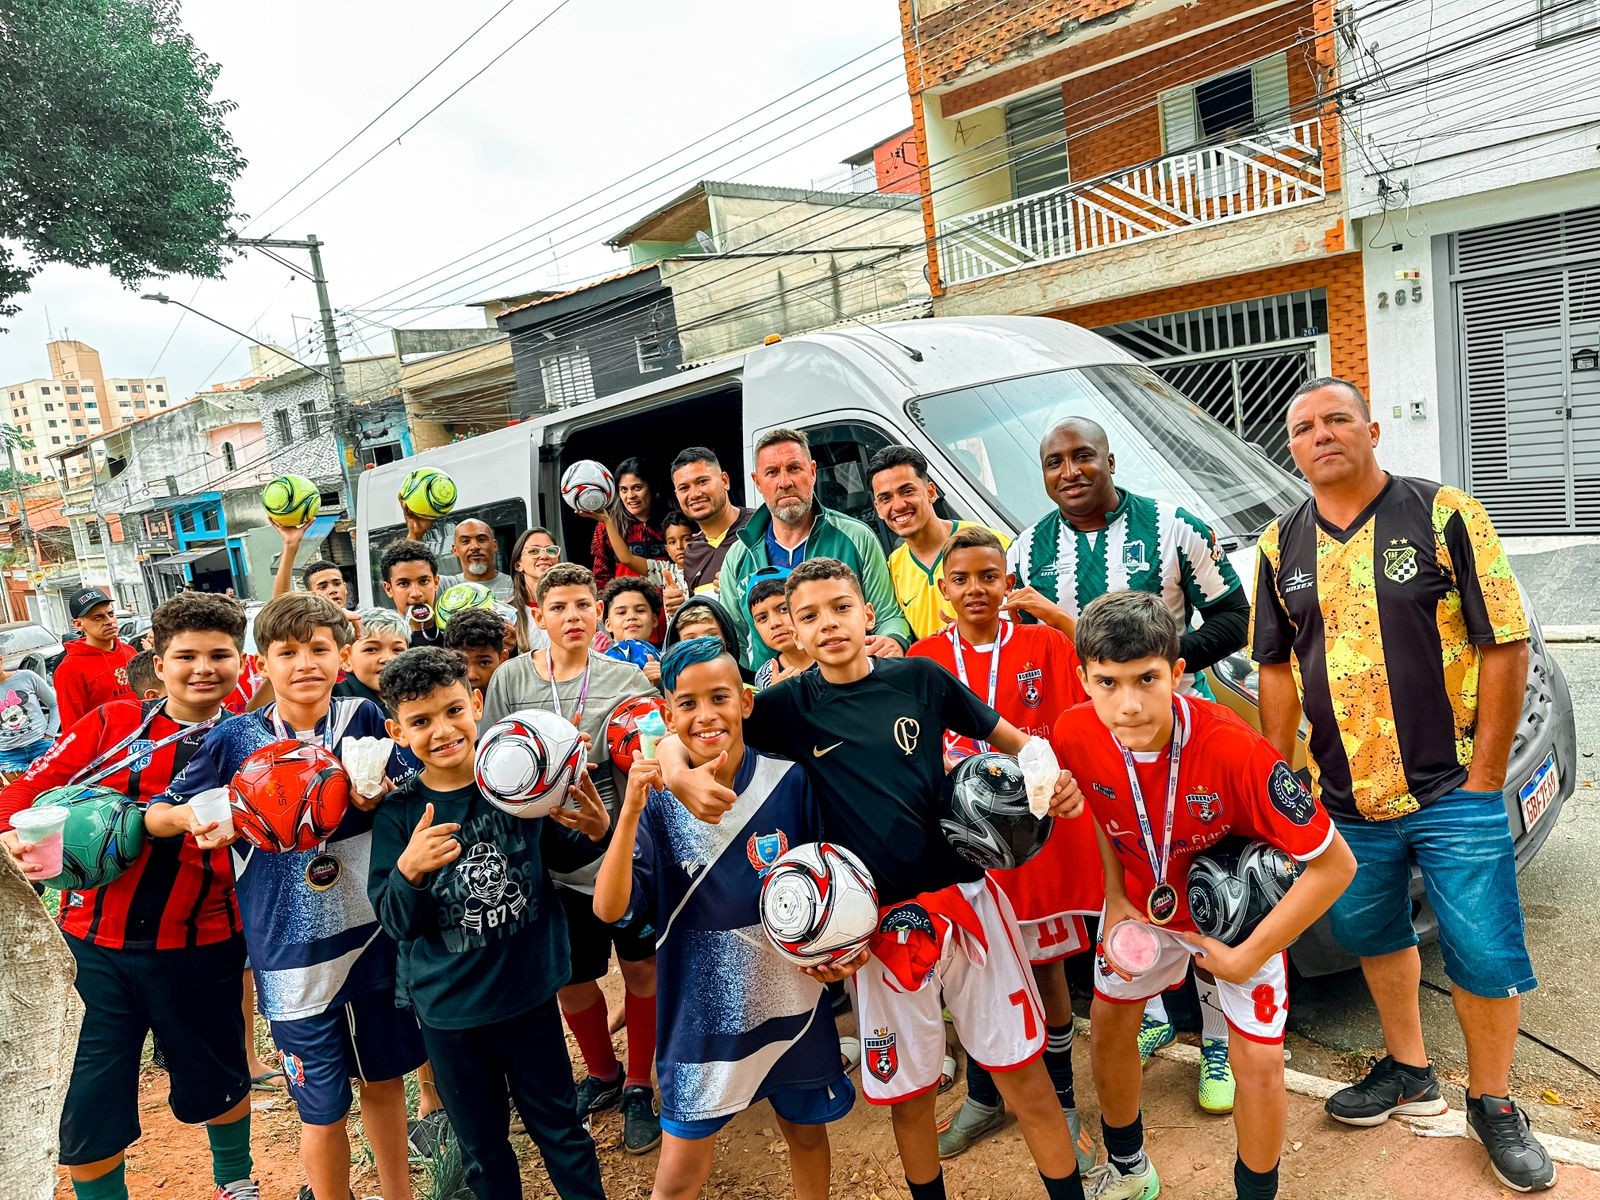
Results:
1561 895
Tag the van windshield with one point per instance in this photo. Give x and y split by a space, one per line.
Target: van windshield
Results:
1165 446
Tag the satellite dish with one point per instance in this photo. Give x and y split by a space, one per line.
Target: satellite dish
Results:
705 242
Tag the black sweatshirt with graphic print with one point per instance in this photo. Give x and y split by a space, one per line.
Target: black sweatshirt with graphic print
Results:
483 939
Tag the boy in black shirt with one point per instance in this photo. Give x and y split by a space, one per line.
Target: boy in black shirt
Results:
869 733
483 944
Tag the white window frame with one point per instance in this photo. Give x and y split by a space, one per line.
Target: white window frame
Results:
1562 19
567 377
654 361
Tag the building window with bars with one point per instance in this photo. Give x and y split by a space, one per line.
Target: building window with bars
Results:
1226 106
567 378
281 426
230 461
1559 19
1036 138
308 418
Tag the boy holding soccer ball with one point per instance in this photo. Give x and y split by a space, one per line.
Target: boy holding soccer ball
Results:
766 1032
324 970
1169 775
464 888
868 734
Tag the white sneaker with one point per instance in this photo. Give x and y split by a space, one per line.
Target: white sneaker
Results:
1105 1182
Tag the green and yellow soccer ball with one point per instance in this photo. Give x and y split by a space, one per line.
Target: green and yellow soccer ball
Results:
291 500
103 836
458 598
427 492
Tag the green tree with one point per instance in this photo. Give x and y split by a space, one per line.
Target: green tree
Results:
8 481
113 151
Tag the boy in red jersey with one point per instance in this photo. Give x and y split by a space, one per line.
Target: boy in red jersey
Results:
159 948
1029 675
1167 776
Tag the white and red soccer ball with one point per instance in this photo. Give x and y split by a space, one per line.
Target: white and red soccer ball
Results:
526 762
819 905
289 795
587 487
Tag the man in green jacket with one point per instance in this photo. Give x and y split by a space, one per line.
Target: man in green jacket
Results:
792 527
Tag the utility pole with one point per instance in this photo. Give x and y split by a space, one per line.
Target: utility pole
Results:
344 424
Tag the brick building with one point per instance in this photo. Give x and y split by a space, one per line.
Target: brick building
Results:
1164 172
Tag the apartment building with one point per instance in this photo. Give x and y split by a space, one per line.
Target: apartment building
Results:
75 402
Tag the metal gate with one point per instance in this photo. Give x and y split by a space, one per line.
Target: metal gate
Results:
1247 393
1527 311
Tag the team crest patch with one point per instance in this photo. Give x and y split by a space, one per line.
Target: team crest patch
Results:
294 1070
1028 685
1400 562
1289 795
1133 558
1109 793
764 849
1203 806
139 754
120 674
883 1059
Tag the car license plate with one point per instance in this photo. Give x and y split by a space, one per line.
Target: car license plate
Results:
1540 792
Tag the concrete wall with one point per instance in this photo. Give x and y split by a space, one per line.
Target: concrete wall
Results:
1507 111
966 159
766 225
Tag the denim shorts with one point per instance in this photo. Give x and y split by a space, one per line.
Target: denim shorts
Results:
23 757
1462 843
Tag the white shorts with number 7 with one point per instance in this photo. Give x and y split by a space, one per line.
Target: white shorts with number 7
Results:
994 1004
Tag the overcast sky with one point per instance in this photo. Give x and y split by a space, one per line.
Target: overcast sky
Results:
591 99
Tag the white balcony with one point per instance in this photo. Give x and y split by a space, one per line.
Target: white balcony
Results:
1261 173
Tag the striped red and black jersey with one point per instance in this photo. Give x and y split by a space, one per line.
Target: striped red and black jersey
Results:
174 895
1383 622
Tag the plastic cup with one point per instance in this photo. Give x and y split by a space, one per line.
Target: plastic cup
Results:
1133 946
214 805
651 730
39 831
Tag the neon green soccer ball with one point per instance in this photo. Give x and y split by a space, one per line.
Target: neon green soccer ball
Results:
427 492
458 598
291 500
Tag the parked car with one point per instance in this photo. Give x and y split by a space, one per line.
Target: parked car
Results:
25 645
975 395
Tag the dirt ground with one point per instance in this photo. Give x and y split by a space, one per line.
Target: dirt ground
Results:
1193 1151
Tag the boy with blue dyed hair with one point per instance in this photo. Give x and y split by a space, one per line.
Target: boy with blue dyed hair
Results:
737 1023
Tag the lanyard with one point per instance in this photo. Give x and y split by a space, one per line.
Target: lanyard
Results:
1003 636
583 688
1158 865
286 734
93 773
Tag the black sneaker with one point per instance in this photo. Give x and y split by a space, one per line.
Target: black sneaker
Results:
425 1135
1514 1153
641 1127
1389 1088
597 1095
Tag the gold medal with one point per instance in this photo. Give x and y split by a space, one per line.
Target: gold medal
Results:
1162 904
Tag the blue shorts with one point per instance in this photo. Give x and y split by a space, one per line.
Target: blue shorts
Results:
23 757
367 1038
798 1106
1462 843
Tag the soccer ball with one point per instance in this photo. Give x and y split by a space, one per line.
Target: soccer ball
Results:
427 492
460 597
818 905
633 651
526 762
586 486
990 824
289 795
103 836
291 500
622 728
1235 884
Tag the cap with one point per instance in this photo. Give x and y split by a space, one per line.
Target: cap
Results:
762 575
83 602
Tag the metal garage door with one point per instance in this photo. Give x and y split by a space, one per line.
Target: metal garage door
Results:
1527 307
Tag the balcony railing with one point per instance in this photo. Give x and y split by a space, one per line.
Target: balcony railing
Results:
1262 173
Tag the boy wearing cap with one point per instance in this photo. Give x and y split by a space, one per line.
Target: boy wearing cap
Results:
95 669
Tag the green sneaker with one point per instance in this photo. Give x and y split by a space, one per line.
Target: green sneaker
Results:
1082 1143
1105 1182
1216 1078
972 1122
1153 1035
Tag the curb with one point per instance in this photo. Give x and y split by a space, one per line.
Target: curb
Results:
1450 1124
1571 633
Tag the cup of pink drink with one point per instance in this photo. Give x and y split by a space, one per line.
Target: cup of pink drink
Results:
39 830
1132 946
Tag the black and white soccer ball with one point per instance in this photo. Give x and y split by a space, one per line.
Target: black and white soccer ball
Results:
1235 884
989 822
819 905
526 762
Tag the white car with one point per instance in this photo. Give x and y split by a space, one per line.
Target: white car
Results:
28 646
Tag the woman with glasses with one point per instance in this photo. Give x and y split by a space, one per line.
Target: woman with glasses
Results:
534 554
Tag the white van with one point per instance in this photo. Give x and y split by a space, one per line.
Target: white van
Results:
975 395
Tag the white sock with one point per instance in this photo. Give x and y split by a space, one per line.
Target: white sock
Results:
1156 1009
1213 1025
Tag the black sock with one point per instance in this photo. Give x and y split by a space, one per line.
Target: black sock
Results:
980 1085
1058 1062
1410 1068
932 1190
1070 1188
1124 1144
1254 1185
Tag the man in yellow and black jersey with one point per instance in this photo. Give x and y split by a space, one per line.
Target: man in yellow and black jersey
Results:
1386 610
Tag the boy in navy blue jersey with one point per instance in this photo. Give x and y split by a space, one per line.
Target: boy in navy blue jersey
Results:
464 889
736 1022
869 734
324 970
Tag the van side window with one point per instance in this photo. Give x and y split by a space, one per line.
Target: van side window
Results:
842 451
508 518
